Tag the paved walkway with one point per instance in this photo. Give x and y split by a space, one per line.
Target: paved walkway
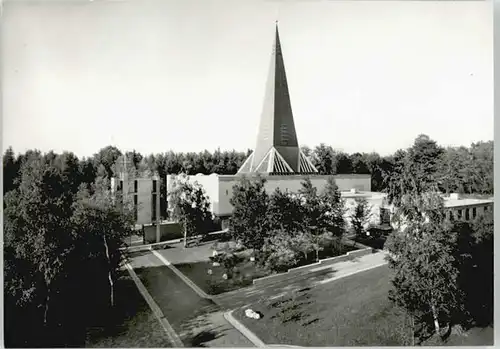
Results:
197 321
200 321
243 297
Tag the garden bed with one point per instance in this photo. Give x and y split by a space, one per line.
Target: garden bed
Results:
210 278
323 254
214 283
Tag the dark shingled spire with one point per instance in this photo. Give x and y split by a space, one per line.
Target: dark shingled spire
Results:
277 148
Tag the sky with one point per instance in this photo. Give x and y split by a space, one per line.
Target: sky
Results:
188 75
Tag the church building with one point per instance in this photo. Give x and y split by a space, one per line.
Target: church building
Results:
276 156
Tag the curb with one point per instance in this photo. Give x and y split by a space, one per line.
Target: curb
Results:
322 282
243 330
171 334
183 277
167 242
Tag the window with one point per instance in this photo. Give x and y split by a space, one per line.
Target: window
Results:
120 186
135 207
154 186
467 214
135 186
153 208
459 214
474 213
227 192
450 215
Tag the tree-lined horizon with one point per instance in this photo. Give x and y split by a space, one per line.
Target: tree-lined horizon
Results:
461 169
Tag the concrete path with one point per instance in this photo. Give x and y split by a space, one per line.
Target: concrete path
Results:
243 297
197 321
343 269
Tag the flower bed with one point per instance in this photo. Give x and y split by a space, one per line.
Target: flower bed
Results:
214 283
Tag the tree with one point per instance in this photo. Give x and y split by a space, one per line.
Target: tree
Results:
249 222
285 211
38 237
10 170
361 216
323 158
103 227
333 207
343 163
279 251
359 164
415 171
191 207
474 254
425 280
107 157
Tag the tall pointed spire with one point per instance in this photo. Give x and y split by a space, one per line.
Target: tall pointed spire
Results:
277 148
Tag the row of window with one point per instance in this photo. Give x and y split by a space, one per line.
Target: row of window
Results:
467 214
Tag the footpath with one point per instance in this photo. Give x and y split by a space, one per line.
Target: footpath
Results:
196 321
242 297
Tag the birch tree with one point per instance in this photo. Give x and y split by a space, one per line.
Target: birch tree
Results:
421 254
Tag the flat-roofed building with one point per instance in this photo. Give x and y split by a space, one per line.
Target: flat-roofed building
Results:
466 209
143 193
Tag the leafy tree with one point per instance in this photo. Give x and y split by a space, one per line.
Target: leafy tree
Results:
191 207
359 164
279 251
361 216
107 157
415 171
344 163
323 158
333 207
51 254
285 211
10 170
249 222
421 253
475 256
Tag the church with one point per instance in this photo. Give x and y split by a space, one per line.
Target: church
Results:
276 156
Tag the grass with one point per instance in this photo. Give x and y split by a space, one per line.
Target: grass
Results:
132 324
352 311
214 284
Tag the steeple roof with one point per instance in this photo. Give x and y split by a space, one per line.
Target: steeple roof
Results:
277 148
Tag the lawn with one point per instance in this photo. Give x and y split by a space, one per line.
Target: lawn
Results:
352 311
214 284
132 325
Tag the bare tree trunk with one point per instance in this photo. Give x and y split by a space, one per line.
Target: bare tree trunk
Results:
46 311
185 236
435 317
412 332
110 278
